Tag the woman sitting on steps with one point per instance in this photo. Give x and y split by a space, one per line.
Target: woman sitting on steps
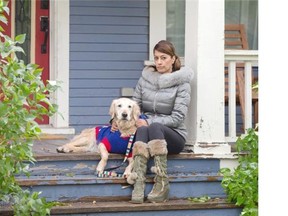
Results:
163 93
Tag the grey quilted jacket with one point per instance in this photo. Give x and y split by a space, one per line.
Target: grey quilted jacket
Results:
164 98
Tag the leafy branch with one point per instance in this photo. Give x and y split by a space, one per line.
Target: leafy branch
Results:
24 97
241 185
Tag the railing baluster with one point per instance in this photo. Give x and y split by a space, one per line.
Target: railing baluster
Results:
232 98
248 95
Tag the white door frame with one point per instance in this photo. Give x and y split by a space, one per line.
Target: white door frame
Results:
59 66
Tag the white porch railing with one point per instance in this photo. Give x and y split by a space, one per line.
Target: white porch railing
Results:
250 59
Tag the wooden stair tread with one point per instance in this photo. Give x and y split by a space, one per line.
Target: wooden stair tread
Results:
92 179
55 156
126 206
96 156
146 206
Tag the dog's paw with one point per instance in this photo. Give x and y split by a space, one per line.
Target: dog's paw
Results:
99 168
59 150
126 175
131 179
127 172
62 149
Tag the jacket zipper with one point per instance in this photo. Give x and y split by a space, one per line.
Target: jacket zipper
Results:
154 103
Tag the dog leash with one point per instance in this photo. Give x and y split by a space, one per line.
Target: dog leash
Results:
108 172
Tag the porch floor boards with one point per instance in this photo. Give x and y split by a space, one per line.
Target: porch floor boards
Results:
45 148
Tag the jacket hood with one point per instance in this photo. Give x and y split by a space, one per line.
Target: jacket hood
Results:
181 76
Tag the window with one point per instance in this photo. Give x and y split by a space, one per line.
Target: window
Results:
236 11
244 12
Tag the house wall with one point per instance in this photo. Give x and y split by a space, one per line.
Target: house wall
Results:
109 41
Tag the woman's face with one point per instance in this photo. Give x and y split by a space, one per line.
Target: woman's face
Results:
163 62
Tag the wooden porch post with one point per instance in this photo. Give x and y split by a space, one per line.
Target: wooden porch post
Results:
204 52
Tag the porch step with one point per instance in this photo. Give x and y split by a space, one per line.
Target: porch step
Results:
179 207
83 187
85 164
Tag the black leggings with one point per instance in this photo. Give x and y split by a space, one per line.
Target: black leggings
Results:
175 142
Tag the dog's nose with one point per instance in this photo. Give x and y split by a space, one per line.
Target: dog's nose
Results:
124 115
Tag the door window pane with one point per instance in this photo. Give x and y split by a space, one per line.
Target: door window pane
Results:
23 26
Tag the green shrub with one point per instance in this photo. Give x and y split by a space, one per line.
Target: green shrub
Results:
241 185
23 98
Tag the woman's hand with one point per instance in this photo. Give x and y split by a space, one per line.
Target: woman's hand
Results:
114 126
141 122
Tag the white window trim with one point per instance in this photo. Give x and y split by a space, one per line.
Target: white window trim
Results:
157 24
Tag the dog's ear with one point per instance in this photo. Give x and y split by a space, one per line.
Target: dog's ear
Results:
112 110
136 111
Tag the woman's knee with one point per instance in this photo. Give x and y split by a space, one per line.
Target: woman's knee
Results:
142 129
142 134
155 126
156 131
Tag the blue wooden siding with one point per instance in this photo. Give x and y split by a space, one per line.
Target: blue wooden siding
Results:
109 41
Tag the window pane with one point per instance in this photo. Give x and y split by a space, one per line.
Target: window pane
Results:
175 25
244 12
23 26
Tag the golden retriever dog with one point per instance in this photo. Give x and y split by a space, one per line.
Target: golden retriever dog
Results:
124 113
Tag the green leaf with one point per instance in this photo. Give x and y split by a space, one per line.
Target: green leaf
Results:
3 19
18 49
20 38
3 109
6 9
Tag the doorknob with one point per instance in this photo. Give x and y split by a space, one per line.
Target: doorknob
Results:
44 27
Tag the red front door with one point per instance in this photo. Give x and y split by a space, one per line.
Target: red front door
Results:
42 42
31 17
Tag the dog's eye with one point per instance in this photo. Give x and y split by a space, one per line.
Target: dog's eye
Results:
129 106
119 105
